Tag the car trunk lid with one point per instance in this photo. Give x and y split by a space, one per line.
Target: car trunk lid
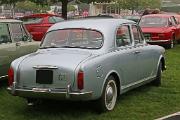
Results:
50 68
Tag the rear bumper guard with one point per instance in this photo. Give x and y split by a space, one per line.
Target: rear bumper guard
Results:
49 93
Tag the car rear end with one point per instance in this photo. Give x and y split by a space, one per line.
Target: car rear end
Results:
156 29
39 79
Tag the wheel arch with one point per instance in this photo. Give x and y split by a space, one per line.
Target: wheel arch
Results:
117 80
162 60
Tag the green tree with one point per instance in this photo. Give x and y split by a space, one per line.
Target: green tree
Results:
47 2
71 8
12 3
89 1
31 6
139 4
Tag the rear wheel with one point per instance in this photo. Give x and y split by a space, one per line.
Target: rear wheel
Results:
157 81
109 96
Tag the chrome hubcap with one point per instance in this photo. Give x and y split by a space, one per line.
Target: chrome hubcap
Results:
110 95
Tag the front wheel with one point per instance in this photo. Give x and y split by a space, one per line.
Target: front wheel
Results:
107 101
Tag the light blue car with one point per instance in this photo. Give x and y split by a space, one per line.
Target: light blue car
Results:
90 59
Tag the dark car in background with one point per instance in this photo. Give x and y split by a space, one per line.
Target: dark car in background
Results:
134 18
160 29
38 24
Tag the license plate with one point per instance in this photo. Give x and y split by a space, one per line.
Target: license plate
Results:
44 76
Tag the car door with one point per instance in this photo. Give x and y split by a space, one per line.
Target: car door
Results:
127 59
7 49
177 30
144 54
23 41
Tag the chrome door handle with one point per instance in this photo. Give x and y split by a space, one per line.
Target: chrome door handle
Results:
18 44
137 52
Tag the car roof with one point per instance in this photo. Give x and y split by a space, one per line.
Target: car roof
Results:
176 15
103 24
158 15
9 21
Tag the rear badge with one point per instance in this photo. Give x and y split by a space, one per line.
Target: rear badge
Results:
62 77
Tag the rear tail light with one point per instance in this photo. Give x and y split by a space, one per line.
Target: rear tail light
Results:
80 80
161 35
10 77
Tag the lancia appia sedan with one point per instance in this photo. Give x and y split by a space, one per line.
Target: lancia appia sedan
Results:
15 41
90 59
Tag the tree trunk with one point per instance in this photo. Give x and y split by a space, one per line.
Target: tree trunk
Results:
64 8
12 10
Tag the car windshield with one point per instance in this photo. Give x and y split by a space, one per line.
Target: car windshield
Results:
4 33
153 22
32 20
73 38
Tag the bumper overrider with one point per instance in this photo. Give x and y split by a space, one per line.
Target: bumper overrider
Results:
47 93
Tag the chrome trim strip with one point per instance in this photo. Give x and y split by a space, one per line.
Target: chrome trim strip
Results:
158 41
138 82
45 67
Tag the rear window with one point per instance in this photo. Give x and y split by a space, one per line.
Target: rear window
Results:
153 22
73 38
33 20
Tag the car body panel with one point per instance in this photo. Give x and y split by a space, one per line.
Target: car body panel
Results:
134 64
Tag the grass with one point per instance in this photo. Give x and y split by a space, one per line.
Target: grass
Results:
144 103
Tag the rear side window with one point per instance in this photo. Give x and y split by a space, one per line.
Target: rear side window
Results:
138 38
33 20
17 32
123 36
4 33
55 19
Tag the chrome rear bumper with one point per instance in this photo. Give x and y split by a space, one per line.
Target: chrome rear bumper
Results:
47 93
157 41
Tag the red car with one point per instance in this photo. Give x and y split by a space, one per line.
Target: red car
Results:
38 24
160 29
